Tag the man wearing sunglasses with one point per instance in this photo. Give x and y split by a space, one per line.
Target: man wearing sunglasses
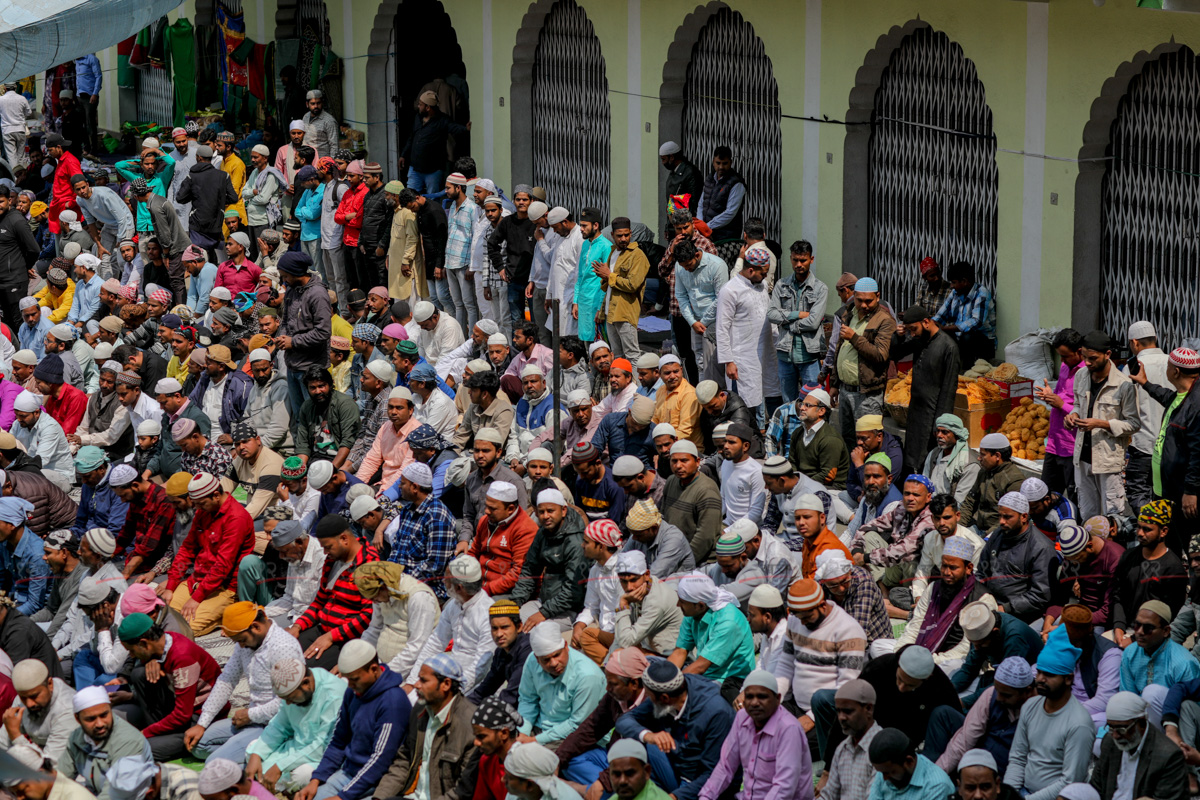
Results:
1156 663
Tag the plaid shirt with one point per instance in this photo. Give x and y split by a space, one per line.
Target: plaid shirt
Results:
458 241
179 783
864 602
149 527
930 300
784 421
976 311
424 542
374 413
666 267
213 459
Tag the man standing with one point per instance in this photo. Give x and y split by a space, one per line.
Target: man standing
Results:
424 153
320 128
936 365
1150 363
720 204
307 323
1104 419
744 340
208 191
797 309
864 347
18 253
102 206
169 233
15 112
683 179
625 281
460 221
89 80
589 295
698 276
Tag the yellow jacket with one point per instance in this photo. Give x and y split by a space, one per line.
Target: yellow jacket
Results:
628 283
235 168
60 307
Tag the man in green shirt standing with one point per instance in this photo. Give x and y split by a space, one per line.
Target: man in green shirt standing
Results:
715 628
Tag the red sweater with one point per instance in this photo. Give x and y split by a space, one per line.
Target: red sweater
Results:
213 548
501 552
352 202
67 407
490 781
238 279
192 673
341 611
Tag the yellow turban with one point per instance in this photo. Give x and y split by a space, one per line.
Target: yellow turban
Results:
239 616
177 484
376 575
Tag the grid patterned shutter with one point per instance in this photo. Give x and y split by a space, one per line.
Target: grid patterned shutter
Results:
731 98
1150 256
933 180
155 97
571 122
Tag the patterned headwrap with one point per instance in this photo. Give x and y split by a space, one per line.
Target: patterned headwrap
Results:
344 155
505 608
293 469
188 332
1194 545
327 164
1157 512
497 715
129 292
162 296
140 187
921 479
374 576
424 437
367 332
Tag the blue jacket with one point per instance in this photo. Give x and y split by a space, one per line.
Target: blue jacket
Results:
308 211
612 435
538 416
26 574
369 732
1187 690
200 287
699 732
233 401
402 380
99 507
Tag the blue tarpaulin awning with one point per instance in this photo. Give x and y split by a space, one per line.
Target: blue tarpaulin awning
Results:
38 34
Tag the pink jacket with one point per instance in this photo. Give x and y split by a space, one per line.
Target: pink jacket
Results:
1060 440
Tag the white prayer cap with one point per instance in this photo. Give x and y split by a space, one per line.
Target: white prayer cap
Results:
706 391
628 748
218 775
1015 501
537 210
579 398
1122 707
822 397
503 491
259 354
1141 330
540 454
497 338
994 441
423 311
647 361
489 435
599 344
320 474
760 677
26 357
556 215
546 639
29 674
102 352
401 393
1034 489
627 467
744 528
221 293
668 149
383 370
670 358
27 401
553 496
465 568
631 562
168 386
355 655
363 506
91 696
917 662
532 369
295 125
685 447
810 502
1078 791
664 429
978 758
831 564
287 675
766 596
977 621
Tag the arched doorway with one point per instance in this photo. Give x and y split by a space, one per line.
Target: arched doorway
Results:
402 63
730 97
926 158
560 116
1149 265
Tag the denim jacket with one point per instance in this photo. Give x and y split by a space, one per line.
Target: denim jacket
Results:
787 300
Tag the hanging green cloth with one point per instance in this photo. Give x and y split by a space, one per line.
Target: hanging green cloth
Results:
181 59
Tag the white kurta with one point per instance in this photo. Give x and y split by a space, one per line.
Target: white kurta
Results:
563 272
744 337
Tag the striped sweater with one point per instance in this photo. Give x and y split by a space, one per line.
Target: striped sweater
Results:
340 609
824 658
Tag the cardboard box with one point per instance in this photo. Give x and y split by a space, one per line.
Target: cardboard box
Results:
1014 390
981 419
